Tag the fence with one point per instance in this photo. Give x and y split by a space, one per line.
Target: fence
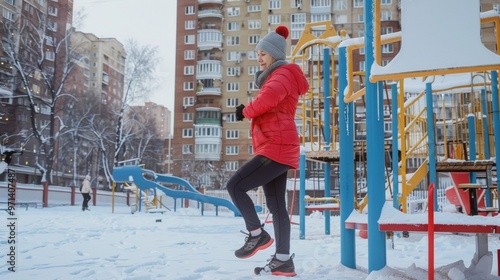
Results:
30 194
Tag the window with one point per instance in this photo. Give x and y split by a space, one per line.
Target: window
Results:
252 70
233 26
387 48
52 11
253 8
340 19
320 17
52 26
233 71
340 5
254 24
188 101
233 56
298 25
361 17
187 149
188 85
358 3
188 70
50 41
189 39
274 19
250 150
187 117
385 15
231 165
232 102
252 55
233 11
386 30
252 86
187 133
274 4
235 86
189 10
361 66
232 150
189 54
233 40
232 134
189 24
386 2
50 56
231 118
11 2
253 39
321 3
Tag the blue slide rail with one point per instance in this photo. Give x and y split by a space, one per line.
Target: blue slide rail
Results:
136 174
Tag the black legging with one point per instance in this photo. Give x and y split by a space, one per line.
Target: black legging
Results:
261 171
86 199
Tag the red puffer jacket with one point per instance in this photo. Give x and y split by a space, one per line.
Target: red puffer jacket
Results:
274 133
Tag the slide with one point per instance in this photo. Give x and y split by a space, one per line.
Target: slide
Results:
134 173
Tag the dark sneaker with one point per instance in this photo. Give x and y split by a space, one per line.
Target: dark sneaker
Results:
277 267
254 244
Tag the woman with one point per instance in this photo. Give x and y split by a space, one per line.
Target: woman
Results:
276 144
86 189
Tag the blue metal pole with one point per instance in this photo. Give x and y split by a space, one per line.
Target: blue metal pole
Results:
395 147
431 140
326 126
496 118
375 152
346 167
302 194
471 124
486 138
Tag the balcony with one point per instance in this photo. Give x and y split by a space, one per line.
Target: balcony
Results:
208 13
208 140
5 91
209 91
208 116
210 2
209 69
209 39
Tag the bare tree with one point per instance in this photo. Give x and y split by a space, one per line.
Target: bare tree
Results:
43 59
140 67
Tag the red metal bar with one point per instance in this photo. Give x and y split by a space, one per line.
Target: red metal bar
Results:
73 195
498 261
430 231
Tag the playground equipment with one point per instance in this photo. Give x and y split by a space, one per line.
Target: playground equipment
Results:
430 48
135 174
443 65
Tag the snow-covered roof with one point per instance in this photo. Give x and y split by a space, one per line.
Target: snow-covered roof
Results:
439 35
451 82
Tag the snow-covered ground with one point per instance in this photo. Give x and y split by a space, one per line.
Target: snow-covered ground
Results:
65 243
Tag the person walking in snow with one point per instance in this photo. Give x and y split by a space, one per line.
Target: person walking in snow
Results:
276 143
85 190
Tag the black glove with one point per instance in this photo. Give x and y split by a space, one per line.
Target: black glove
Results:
239 112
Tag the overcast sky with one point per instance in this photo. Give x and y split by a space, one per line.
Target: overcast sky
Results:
149 22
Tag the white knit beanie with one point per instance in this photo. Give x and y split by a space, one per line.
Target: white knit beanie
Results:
274 43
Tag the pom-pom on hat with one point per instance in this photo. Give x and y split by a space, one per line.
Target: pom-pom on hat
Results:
274 43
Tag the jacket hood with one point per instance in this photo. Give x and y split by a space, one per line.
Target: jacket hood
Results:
297 76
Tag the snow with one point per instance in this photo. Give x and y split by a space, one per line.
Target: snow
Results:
65 243
433 43
451 83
